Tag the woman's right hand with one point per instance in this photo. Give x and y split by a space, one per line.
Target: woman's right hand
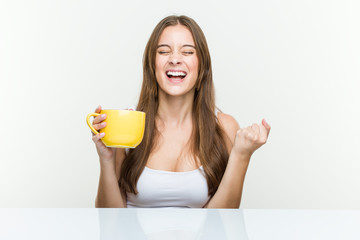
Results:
106 154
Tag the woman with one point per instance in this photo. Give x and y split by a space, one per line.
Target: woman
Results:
190 156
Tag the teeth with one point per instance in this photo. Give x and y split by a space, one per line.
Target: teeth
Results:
176 74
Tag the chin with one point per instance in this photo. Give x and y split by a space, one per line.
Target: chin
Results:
177 92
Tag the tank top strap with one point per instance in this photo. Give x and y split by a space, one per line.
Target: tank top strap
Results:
216 111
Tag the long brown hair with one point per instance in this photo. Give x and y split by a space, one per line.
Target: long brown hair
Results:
208 143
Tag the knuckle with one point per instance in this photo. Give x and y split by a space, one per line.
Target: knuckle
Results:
96 120
239 132
261 141
94 138
99 126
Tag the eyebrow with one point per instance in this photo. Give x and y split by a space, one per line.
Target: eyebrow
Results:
166 45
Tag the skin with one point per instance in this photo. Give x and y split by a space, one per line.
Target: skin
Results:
175 52
174 119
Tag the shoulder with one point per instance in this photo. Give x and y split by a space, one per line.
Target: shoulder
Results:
229 125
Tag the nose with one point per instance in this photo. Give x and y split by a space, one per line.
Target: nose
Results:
175 58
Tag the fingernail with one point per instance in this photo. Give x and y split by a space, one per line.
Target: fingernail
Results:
103 115
102 134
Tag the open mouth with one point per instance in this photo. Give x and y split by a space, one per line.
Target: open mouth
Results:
176 75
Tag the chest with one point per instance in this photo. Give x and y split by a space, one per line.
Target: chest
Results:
173 152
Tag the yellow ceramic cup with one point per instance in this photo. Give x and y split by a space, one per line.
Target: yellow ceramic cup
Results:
124 128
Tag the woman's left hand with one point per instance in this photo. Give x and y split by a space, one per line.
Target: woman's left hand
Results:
249 139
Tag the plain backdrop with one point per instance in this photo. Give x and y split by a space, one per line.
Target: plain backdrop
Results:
294 63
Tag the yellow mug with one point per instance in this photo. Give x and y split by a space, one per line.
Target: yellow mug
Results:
124 128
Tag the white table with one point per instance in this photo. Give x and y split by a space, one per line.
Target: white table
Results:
104 224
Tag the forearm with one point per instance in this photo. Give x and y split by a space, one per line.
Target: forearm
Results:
109 194
228 194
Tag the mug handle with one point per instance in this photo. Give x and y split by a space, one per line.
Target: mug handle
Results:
89 123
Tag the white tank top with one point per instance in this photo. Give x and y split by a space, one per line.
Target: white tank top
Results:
157 188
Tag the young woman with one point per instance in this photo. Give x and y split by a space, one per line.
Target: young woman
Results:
191 155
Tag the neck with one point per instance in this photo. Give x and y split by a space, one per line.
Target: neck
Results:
175 111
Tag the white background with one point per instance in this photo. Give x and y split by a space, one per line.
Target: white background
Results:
294 63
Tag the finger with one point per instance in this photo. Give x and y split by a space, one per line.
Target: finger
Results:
266 125
247 133
99 119
250 130
255 129
239 133
98 109
100 146
96 138
250 135
99 126
264 132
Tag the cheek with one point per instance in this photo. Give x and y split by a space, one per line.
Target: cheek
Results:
195 66
194 63
159 64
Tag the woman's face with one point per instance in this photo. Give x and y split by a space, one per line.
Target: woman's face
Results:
176 63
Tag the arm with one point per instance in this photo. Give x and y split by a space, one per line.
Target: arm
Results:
109 193
241 143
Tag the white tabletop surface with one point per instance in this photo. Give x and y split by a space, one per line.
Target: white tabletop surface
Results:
104 224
